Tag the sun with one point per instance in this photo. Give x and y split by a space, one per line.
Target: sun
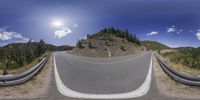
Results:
57 23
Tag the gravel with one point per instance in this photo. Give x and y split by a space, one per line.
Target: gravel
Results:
169 87
37 87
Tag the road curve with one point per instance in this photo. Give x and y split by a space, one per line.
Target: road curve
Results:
103 75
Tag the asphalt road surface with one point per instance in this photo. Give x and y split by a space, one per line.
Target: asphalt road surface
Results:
102 75
115 75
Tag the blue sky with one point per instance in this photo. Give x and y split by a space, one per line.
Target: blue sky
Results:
172 22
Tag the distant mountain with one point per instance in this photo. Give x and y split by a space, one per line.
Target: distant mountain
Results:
59 48
154 45
49 47
185 48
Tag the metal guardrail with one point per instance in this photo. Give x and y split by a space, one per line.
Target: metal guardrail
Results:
183 78
23 77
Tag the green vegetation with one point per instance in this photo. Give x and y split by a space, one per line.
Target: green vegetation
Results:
153 45
79 44
90 44
108 40
186 56
183 56
18 54
118 33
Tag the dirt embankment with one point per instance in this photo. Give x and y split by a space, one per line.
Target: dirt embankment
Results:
35 88
105 47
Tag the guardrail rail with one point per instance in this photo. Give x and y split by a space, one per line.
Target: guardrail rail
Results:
23 77
180 77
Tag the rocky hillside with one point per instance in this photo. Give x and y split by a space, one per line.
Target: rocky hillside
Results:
108 42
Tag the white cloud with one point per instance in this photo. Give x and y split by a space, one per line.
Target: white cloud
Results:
63 31
5 36
152 33
198 35
171 29
59 33
2 29
8 35
181 30
75 25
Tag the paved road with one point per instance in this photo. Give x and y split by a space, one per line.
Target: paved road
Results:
102 75
98 75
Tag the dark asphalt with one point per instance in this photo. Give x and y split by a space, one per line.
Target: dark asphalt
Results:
102 75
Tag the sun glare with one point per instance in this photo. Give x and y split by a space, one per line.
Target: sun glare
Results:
57 23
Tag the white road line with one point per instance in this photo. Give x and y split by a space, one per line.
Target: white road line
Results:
142 90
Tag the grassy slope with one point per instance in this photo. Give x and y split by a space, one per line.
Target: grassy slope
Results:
184 59
25 67
153 45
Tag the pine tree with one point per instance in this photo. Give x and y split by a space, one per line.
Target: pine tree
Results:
118 33
123 35
134 38
30 56
137 41
41 47
88 36
79 44
113 31
131 39
105 30
90 44
126 34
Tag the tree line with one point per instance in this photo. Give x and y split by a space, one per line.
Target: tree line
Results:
120 33
116 32
18 54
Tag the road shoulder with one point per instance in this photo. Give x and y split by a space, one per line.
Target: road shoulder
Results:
169 87
35 88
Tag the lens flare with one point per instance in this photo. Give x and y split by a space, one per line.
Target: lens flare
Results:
57 23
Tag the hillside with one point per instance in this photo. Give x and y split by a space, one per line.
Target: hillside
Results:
182 58
108 42
153 45
18 54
